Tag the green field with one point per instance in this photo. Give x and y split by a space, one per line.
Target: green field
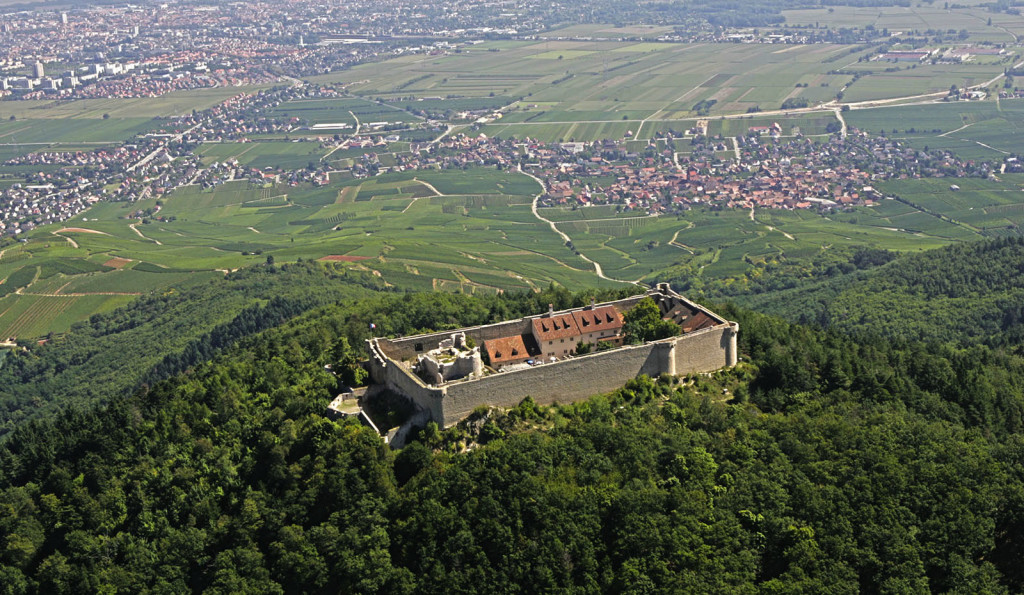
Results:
473 230
333 111
470 231
919 17
973 130
464 231
716 244
79 130
588 90
725 243
265 154
919 79
172 104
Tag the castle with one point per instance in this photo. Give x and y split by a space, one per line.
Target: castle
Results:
451 373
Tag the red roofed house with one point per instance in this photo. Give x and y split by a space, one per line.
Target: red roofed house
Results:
507 351
556 334
599 324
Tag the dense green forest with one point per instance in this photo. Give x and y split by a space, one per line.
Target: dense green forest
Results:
962 294
162 334
822 463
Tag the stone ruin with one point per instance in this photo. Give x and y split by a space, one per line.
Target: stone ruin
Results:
451 360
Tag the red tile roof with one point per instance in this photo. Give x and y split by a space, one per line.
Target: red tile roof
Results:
559 326
602 318
698 321
505 350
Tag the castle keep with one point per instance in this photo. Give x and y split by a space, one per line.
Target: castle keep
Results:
451 373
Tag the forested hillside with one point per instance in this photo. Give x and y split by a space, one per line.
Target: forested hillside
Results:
821 463
162 334
963 294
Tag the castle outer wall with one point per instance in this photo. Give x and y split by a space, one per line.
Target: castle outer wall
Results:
565 381
582 377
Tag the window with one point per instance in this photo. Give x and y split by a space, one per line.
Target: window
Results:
419 347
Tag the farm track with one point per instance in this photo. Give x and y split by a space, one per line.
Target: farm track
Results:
429 186
674 241
770 228
356 118
565 237
139 233
443 134
73 243
842 121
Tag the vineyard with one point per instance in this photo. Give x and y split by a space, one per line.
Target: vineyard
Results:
609 227
31 315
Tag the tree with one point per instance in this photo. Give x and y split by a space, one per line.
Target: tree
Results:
644 323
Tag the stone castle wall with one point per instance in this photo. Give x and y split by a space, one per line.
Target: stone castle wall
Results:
405 347
561 382
564 381
579 378
403 381
706 350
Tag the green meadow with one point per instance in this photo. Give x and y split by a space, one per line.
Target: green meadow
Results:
973 130
295 154
473 230
589 90
724 243
469 231
940 16
176 103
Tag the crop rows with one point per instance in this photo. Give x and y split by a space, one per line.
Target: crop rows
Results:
40 313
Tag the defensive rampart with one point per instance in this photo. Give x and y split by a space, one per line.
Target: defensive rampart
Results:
564 381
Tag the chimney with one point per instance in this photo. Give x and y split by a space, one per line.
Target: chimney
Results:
551 310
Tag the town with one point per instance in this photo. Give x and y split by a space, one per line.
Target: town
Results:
150 50
147 51
767 167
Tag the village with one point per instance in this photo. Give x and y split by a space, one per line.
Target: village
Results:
762 169
767 167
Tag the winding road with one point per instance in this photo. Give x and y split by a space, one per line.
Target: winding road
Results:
565 237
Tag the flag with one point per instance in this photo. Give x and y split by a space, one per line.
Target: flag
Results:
373 326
